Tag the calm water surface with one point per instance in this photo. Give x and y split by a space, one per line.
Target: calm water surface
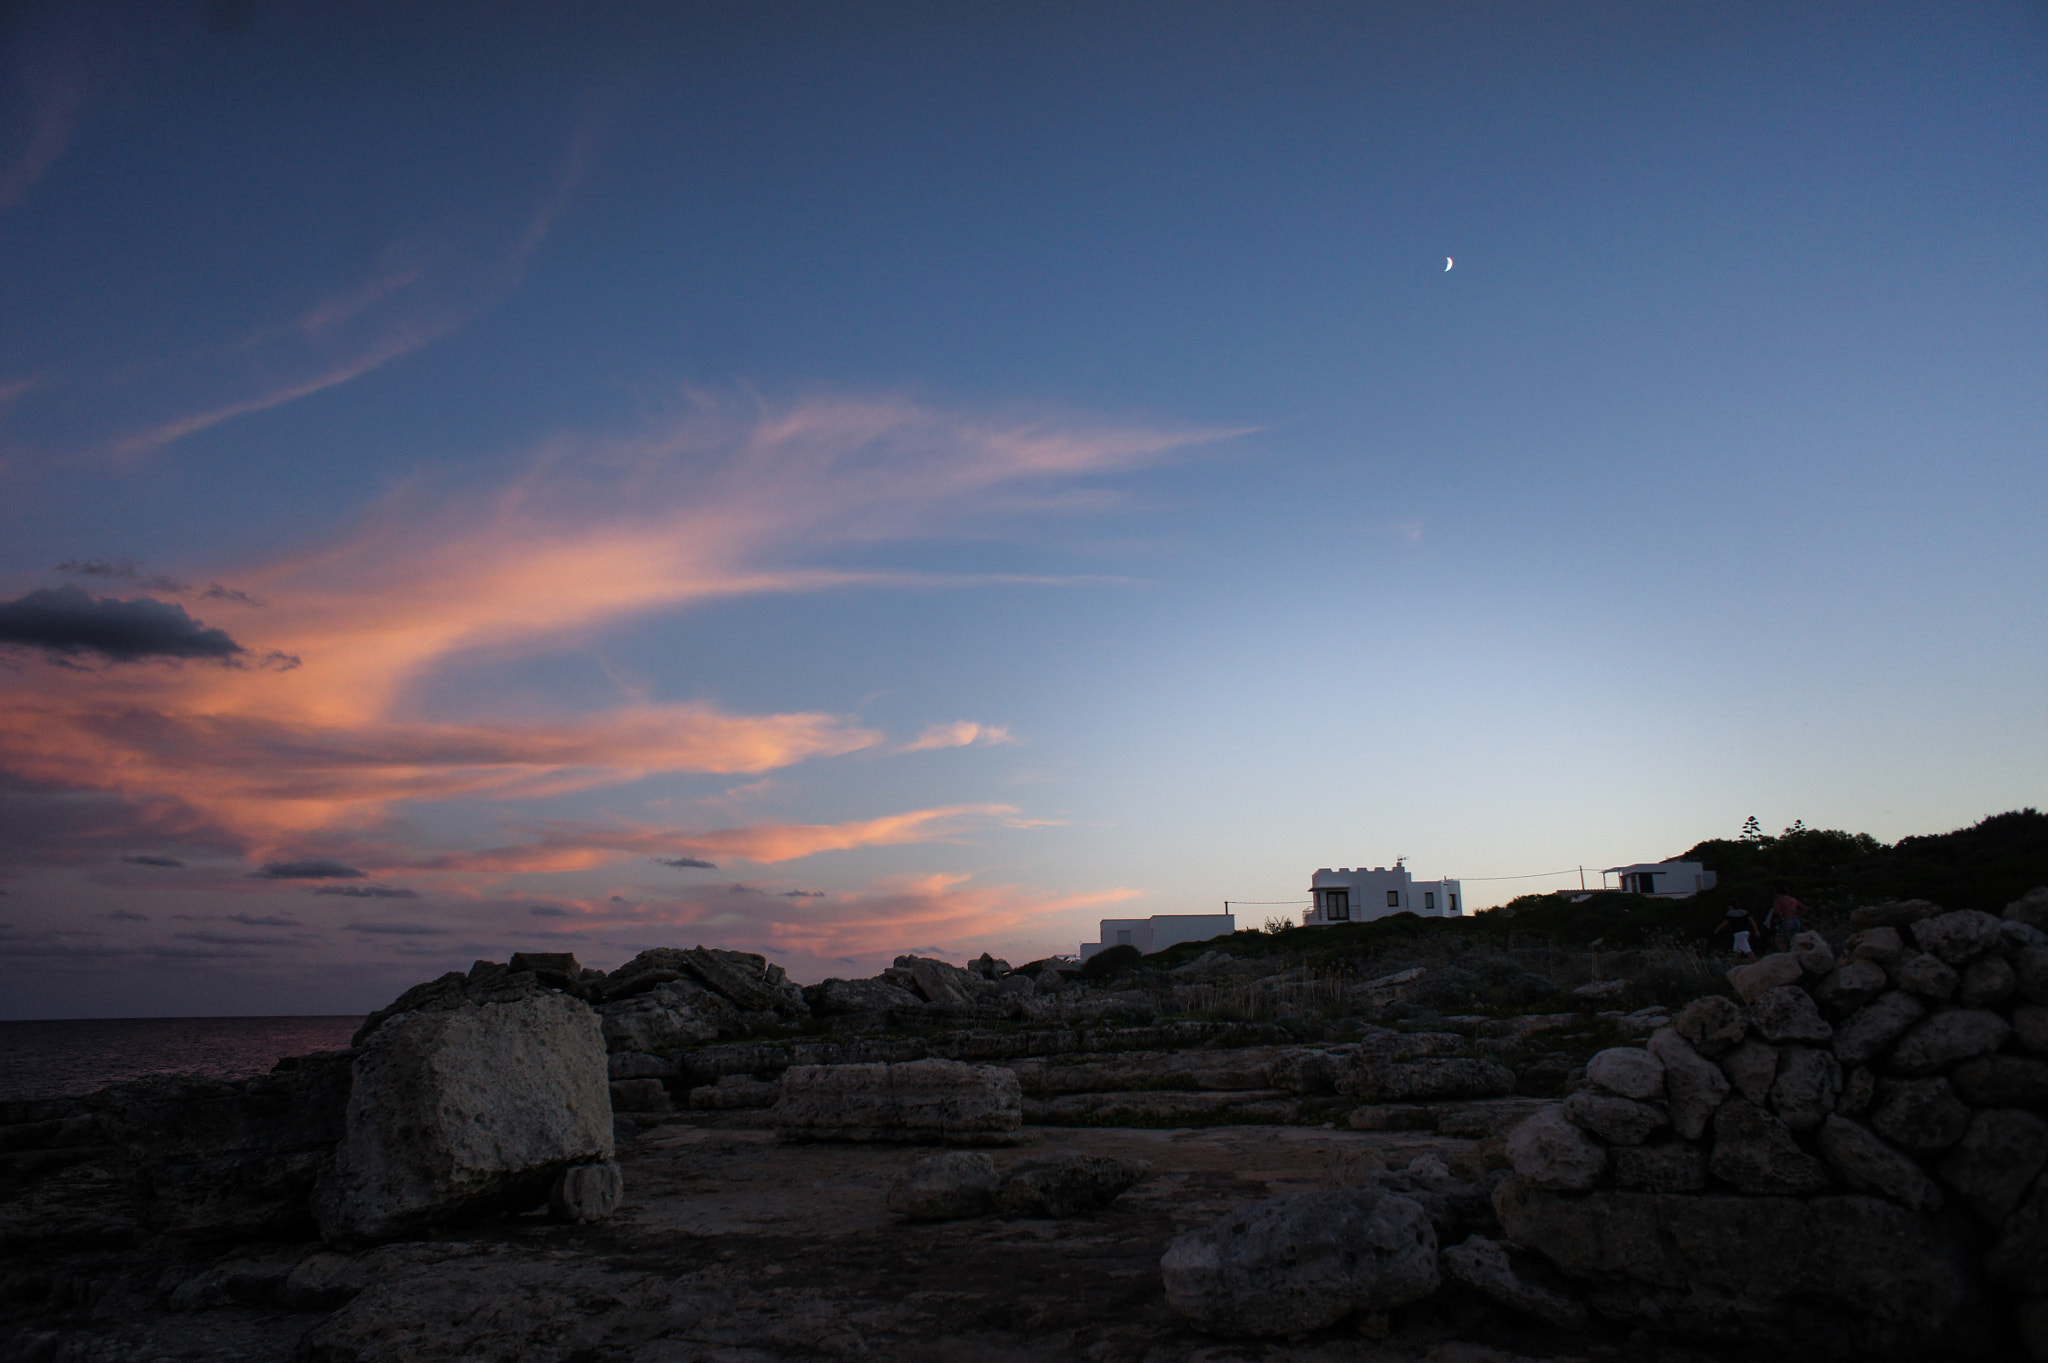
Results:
56 1059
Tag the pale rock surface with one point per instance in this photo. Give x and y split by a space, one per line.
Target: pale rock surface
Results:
1550 1151
1808 1084
465 1112
1711 1024
1788 1013
1926 974
1957 937
1618 1121
1875 1026
837 998
587 1192
1874 1167
1880 946
1816 957
1628 1072
1769 972
1693 1084
920 1100
1920 1115
1997 1158
667 1018
1301 1262
1488 1265
1947 1039
944 1187
1756 1153
1752 1067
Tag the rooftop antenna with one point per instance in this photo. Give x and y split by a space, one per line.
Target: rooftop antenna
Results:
1398 861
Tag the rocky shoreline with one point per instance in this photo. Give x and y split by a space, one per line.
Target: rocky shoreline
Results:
1839 1152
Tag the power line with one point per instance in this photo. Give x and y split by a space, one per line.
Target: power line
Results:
1567 871
1267 903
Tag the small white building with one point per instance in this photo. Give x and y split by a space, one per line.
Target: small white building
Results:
1664 879
1346 895
1160 931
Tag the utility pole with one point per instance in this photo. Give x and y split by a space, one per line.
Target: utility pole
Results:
1582 879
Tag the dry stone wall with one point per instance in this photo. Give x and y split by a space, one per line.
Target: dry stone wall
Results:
1846 1158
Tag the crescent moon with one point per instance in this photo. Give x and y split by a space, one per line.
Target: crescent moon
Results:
1447 264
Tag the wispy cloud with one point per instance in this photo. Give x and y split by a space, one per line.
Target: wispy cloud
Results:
961 733
710 505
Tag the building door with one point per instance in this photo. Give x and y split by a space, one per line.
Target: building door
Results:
1646 882
1336 905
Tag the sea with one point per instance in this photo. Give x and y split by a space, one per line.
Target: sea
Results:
84 1055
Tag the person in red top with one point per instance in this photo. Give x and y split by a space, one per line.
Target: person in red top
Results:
1784 918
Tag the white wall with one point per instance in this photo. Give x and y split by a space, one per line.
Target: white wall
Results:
1160 931
1368 891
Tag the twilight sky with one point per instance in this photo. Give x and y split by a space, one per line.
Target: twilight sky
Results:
840 480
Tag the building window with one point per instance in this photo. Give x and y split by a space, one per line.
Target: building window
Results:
1453 901
1429 901
1336 905
1393 899
1123 937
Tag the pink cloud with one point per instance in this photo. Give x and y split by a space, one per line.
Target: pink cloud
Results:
961 733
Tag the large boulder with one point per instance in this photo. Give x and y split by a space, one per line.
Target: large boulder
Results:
919 1100
1840 1275
667 1018
749 982
945 1187
1292 1264
466 1112
1065 1185
486 982
838 998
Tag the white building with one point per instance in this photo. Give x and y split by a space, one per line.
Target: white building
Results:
1350 896
1664 879
1160 931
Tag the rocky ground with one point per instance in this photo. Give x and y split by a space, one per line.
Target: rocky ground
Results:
733 1246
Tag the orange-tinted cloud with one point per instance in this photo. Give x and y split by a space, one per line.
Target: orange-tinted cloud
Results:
588 535
961 733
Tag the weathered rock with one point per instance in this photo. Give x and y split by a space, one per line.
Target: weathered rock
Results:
1846 1275
1869 1164
734 1093
1788 1013
463 1112
2002 1081
1920 1115
1669 1167
1859 1091
634 1065
1808 1084
587 1192
1385 1081
1751 1068
667 1018
2030 908
1947 1039
1550 1151
2018 1262
1693 1084
1618 1121
1756 1153
1302 1262
640 1095
1895 914
945 1187
2030 1025
1998 1156
1851 986
228 1160
1065 1185
743 979
1601 993
1879 946
1925 974
551 969
1986 981
1711 1024
1628 1072
1816 957
486 982
1490 1267
1872 1028
1957 937
935 981
324 1281
921 1100
1770 972
839 998
2030 969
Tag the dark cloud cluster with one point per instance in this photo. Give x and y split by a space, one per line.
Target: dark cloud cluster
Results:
398 929
803 894
144 859
262 920
368 891
64 622
684 863
128 916
232 939
307 868
126 570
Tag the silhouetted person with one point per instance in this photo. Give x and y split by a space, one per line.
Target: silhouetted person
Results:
1784 919
1743 924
